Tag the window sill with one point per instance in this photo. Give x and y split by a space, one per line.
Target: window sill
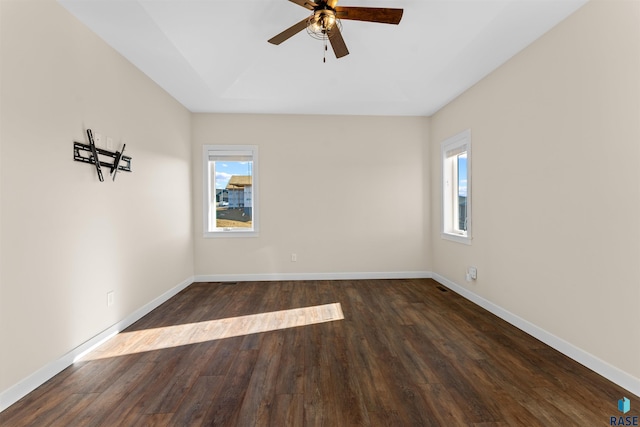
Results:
456 238
229 233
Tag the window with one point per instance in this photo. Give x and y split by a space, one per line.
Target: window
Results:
230 207
456 188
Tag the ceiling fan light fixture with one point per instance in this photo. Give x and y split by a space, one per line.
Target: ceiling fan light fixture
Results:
321 22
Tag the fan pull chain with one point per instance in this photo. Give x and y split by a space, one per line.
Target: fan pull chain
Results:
324 58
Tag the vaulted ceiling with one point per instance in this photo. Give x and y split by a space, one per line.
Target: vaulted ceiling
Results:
213 55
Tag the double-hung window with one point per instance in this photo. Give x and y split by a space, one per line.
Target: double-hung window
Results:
456 187
230 207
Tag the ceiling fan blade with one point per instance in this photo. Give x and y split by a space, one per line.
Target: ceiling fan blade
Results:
369 14
307 4
337 42
291 31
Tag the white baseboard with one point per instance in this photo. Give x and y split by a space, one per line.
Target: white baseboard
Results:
33 381
269 277
613 374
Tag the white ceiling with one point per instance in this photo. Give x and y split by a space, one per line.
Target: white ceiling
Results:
213 55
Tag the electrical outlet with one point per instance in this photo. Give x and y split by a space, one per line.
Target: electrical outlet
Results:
294 257
110 298
473 273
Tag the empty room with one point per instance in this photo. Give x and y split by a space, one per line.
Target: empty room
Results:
303 212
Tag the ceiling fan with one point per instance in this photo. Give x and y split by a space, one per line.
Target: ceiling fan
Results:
324 22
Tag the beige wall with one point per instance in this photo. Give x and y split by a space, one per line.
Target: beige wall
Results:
556 183
346 194
68 239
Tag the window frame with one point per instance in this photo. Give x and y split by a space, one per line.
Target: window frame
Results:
456 144
228 150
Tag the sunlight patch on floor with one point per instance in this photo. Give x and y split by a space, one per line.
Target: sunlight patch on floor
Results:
192 333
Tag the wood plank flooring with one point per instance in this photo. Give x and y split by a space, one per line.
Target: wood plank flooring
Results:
406 353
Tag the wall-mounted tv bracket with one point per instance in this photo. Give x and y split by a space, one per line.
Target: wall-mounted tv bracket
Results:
90 154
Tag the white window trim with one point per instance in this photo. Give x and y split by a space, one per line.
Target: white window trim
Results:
206 192
459 141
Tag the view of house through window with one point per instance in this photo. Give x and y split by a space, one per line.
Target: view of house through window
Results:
233 184
230 189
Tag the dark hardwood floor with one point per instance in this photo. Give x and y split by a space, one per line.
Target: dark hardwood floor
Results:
407 353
